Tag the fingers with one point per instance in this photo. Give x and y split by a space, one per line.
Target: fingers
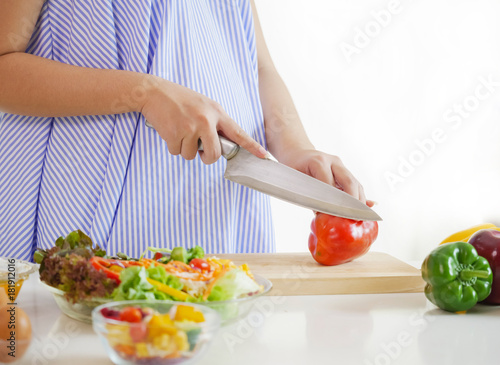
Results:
173 144
211 148
189 147
362 196
236 134
345 179
348 182
182 116
319 170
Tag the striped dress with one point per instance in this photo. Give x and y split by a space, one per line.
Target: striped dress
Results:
111 176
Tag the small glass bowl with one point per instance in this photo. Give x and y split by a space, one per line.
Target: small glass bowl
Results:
16 271
184 346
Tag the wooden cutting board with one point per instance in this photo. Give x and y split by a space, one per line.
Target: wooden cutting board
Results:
299 274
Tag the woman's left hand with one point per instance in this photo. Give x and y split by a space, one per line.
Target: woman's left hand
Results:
329 169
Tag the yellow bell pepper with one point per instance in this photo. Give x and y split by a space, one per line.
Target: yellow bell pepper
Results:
169 290
161 324
463 236
187 313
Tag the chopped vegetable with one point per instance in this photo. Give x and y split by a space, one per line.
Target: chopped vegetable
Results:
66 266
179 254
138 332
101 264
112 267
457 278
135 284
157 336
74 275
177 294
196 252
199 264
165 255
76 242
232 285
185 256
131 314
188 313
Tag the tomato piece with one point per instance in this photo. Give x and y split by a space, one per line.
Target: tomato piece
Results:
200 264
138 331
131 314
158 255
335 240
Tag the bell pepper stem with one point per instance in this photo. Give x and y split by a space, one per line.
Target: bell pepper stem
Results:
469 274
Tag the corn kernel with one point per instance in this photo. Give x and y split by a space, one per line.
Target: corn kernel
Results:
141 349
161 342
119 334
181 341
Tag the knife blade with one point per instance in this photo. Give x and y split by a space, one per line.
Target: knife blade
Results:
283 182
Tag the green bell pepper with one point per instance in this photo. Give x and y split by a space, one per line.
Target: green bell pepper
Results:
457 278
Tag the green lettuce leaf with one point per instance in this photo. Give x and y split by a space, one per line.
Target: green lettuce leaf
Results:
134 284
232 285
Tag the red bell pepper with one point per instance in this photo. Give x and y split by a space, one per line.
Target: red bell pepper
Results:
111 267
335 240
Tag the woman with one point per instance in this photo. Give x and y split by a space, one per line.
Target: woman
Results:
79 79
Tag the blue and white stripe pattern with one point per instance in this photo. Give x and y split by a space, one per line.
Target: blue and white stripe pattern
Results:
111 176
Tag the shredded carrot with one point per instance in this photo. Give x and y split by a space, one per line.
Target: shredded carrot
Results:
212 284
148 262
176 267
181 264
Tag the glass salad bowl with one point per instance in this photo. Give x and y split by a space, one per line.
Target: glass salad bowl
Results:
155 332
229 310
13 273
81 311
236 309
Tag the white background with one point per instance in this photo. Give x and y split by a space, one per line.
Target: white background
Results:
370 111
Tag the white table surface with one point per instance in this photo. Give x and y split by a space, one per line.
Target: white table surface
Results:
363 329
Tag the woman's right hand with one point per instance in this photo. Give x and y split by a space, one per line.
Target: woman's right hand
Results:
182 116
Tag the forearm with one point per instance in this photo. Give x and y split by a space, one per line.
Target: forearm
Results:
31 85
284 130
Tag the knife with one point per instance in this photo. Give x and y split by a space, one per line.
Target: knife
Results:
282 182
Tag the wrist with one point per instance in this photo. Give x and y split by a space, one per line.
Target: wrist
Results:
147 88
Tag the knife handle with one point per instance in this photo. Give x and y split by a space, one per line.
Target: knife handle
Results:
229 149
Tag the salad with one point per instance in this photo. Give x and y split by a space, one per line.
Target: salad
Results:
162 333
83 271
